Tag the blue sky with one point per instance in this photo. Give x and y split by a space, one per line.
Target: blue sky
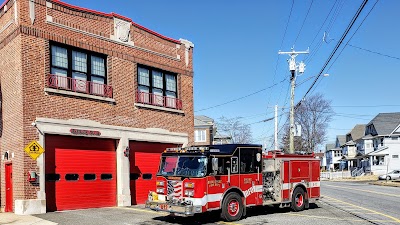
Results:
236 54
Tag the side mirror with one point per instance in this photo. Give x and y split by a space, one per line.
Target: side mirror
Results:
214 163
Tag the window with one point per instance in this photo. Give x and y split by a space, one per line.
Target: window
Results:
234 165
395 156
157 87
147 176
134 176
200 135
89 176
52 177
78 70
72 177
106 176
248 161
395 138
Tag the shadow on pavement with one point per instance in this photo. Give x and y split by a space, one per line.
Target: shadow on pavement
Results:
214 216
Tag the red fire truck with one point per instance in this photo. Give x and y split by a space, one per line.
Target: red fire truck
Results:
232 177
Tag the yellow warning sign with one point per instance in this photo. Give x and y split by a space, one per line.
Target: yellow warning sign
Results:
34 150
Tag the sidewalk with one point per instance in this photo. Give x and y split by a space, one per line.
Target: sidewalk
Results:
11 218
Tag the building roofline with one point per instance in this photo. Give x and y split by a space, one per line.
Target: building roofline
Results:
110 15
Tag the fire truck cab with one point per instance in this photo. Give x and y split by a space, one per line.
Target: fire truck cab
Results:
232 177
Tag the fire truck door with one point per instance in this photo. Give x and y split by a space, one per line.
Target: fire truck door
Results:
249 178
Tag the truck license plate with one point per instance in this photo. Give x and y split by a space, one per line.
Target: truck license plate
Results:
164 206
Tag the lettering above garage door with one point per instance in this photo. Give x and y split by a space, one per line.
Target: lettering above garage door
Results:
85 132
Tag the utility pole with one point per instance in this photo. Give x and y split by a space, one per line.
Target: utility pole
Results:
293 67
276 128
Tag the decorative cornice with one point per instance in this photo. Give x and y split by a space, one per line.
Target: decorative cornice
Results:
49 20
111 15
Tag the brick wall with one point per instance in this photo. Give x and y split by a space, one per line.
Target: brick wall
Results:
25 62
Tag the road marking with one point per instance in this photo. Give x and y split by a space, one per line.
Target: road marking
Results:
355 189
370 210
334 218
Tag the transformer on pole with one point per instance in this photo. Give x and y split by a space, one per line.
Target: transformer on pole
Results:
293 67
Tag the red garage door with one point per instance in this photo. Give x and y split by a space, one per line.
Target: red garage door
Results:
80 173
144 161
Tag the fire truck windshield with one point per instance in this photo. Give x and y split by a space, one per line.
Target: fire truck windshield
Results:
187 166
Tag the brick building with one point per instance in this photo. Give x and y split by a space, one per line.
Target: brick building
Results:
102 95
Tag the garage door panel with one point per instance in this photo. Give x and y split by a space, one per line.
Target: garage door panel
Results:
94 159
85 193
145 159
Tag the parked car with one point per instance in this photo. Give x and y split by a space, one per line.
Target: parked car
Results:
393 175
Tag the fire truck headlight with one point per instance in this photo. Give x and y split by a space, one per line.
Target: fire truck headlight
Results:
189 193
160 190
198 209
189 185
160 183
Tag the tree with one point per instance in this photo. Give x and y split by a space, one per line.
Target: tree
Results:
313 115
239 132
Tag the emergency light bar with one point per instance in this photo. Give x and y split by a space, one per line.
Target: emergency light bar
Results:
188 149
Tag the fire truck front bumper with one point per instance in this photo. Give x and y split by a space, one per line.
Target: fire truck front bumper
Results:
180 209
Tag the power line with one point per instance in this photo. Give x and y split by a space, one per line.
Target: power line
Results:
312 42
246 96
363 106
353 34
336 48
327 31
304 21
277 58
378 53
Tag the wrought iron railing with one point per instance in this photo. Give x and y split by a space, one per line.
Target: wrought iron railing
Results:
158 100
76 85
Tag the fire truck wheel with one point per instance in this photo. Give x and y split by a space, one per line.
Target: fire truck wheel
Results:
298 200
232 207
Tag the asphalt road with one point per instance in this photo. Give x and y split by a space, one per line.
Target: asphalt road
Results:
342 203
376 204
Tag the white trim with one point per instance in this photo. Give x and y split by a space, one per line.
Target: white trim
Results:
285 186
252 189
159 108
72 93
198 134
62 127
311 184
6 25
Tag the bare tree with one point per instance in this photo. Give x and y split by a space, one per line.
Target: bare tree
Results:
239 132
313 115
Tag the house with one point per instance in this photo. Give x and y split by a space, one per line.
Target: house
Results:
220 138
322 158
333 154
204 130
352 149
101 95
382 143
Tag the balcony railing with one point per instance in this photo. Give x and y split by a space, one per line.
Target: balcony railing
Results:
158 100
76 85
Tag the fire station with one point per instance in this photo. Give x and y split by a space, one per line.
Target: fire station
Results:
96 97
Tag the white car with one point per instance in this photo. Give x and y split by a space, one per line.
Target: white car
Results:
393 175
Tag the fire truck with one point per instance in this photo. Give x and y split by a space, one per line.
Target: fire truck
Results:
231 178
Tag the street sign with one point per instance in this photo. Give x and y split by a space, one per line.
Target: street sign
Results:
34 150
